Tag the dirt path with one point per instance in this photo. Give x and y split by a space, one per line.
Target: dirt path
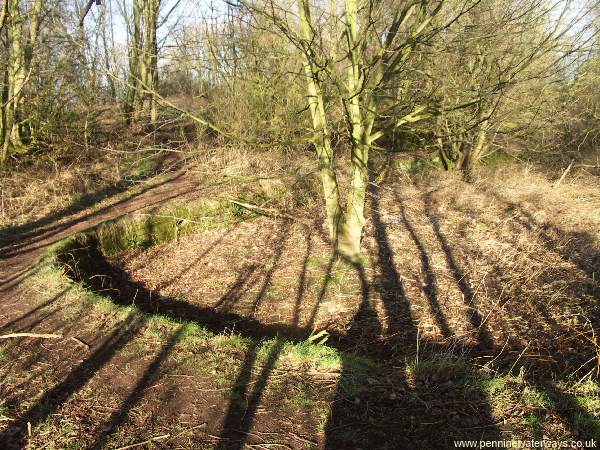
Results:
107 356
19 257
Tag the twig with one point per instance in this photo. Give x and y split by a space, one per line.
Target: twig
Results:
86 10
519 357
149 441
80 342
564 174
300 438
268 212
34 335
175 218
202 425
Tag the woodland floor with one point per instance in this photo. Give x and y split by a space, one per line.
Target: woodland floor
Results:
474 316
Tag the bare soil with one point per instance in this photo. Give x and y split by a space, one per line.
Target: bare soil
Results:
503 277
472 277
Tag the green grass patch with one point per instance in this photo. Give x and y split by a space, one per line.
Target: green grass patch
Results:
302 396
57 432
498 158
535 397
163 226
580 407
139 166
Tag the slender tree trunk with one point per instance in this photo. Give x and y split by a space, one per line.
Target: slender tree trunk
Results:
322 138
16 74
132 96
109 79
141 99
151 56
4 119
361 110
20 50
3 14
4 93
475 151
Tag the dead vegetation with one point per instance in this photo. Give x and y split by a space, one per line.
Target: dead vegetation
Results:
475 313
471 295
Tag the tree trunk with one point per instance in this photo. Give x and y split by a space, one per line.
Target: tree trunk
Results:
348 244
475 151
360 121
16 75
132 95
151 57
141 98
322 138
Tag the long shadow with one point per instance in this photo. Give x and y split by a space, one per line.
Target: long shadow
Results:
430 288
150 376
242 408
17 277
32 311
29 229
482 334
48 235
200 257
302 283
582 424
397 415
85 201
243 405
371 415
37 353
279 241
392 290
15 436
578 253
121 289
228 300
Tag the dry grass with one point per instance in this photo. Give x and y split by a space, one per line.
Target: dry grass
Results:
457 264
43 184
472 297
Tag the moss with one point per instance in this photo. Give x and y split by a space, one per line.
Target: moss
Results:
166 225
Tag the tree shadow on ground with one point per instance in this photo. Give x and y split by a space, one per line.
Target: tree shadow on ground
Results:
15 436
475 318
428 408
44 236
150 376
85 262
397 412
580 248
420 395
567 362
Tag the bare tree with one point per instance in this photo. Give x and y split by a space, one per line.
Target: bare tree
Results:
20 52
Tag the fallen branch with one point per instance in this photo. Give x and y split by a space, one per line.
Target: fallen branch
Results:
268 212
80 342
564 174
34 335
149 441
